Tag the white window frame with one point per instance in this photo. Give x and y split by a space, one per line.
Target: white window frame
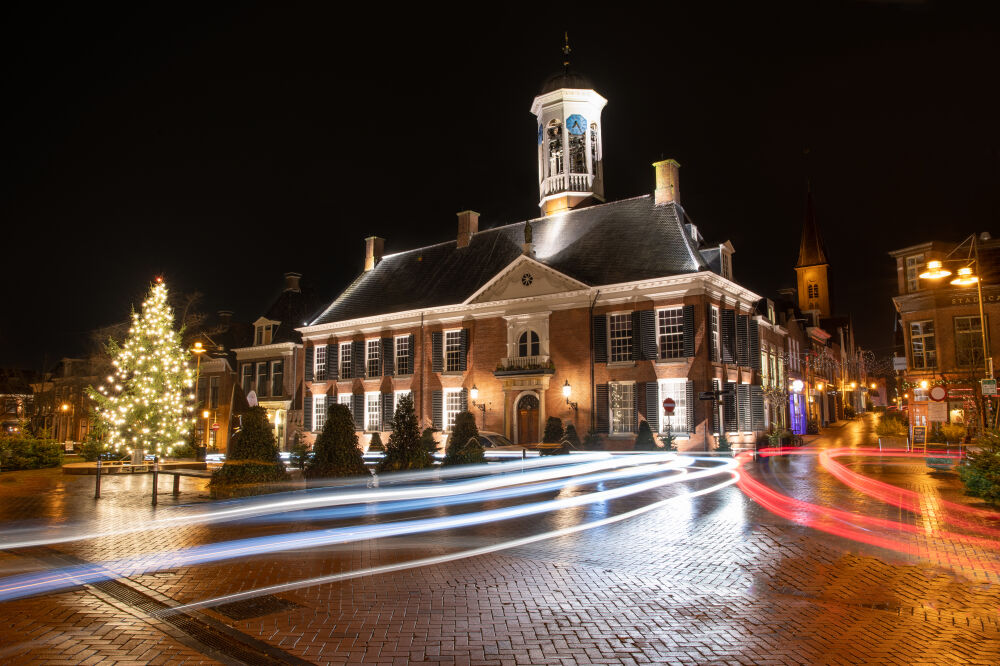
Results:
670 334
319 363
716 336
373 410
342 348
456 335
448 413
247 378
611 338
347 400
676 389
628 408
267 378
396 395
373 352
270 379
319 412
405 357
912 264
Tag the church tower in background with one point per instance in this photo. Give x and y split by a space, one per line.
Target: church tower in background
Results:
570 152
812 267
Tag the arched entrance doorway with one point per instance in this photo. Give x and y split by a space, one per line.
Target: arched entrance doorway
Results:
527 419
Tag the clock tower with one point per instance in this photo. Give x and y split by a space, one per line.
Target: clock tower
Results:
570 150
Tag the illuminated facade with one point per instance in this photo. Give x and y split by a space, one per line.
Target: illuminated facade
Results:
621 304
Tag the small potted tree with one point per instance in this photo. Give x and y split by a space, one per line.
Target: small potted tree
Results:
891 432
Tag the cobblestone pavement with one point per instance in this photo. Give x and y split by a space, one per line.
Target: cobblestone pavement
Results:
708 579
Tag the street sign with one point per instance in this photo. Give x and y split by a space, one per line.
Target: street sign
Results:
899 363
215 426
252 398
669 405
716 395
706 395
938 393
989 386
937 412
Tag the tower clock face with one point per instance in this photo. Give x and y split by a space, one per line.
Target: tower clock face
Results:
540 134
576 124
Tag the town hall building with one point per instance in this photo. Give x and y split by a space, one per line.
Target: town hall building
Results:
595 312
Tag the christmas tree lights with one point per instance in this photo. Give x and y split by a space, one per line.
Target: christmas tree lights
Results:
148 402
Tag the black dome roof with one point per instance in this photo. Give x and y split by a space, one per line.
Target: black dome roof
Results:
566 79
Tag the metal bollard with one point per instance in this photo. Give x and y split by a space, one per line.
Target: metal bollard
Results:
156 474
97 481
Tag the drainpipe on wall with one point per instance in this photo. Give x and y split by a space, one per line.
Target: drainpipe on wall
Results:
420 412
593 388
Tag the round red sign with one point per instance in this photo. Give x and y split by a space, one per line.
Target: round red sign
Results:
938 393
215 426
668 405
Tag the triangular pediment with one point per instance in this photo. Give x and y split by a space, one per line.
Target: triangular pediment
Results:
525 278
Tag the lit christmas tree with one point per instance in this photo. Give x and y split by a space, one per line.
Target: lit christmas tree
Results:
147 404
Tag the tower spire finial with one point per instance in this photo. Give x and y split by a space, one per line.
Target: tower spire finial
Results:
566 50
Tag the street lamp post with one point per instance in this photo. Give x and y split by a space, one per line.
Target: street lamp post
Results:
198 349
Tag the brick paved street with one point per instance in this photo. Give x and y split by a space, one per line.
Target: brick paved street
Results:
709 579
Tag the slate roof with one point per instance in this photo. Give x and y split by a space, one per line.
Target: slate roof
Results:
609 243
811 249
566 78
291 308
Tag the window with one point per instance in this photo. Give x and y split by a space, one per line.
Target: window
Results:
593 147
770 313
345 360
452 406
968 342
555 148
922 349
671 332
202 390
319 363
913 264
373 411
213 393
453 351
676 389
262 378
577 151
277 378
319 412
812 290
527 344
764 376
620 337
727 266
621 398
715 333
263 334
247 377
373 356
345 399
774 370
402 348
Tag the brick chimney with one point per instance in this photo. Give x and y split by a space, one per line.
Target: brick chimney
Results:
225 317
468 224
667 182
292 281
374 248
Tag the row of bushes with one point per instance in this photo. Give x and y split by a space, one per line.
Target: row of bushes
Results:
29 453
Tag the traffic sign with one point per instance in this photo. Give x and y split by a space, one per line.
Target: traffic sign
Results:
706 395
938 393
669 405
989 386
215 426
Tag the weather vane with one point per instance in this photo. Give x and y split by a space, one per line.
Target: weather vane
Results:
566 49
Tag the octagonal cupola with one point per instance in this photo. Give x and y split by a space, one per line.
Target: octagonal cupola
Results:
570 150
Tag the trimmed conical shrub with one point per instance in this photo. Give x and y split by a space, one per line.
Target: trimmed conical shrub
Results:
336 451
253 454
405 450
376 445
464 447
644 439
571 436
553 430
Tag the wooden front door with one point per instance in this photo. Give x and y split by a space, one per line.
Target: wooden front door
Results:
527 420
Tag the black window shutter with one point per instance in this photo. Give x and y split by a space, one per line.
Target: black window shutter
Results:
743 405
437 351
600 325
647 328
653 406
635 408
713 353
309 364
729 419
689 331
689 395
714 406
412 354
358 359
388 360
728 336
387 412
307 412
754 345
463 350
358 399
437 409
636 336
743 341
603 410
757 406
332 362
465 400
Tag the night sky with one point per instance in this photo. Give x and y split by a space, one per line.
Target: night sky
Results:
222 145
